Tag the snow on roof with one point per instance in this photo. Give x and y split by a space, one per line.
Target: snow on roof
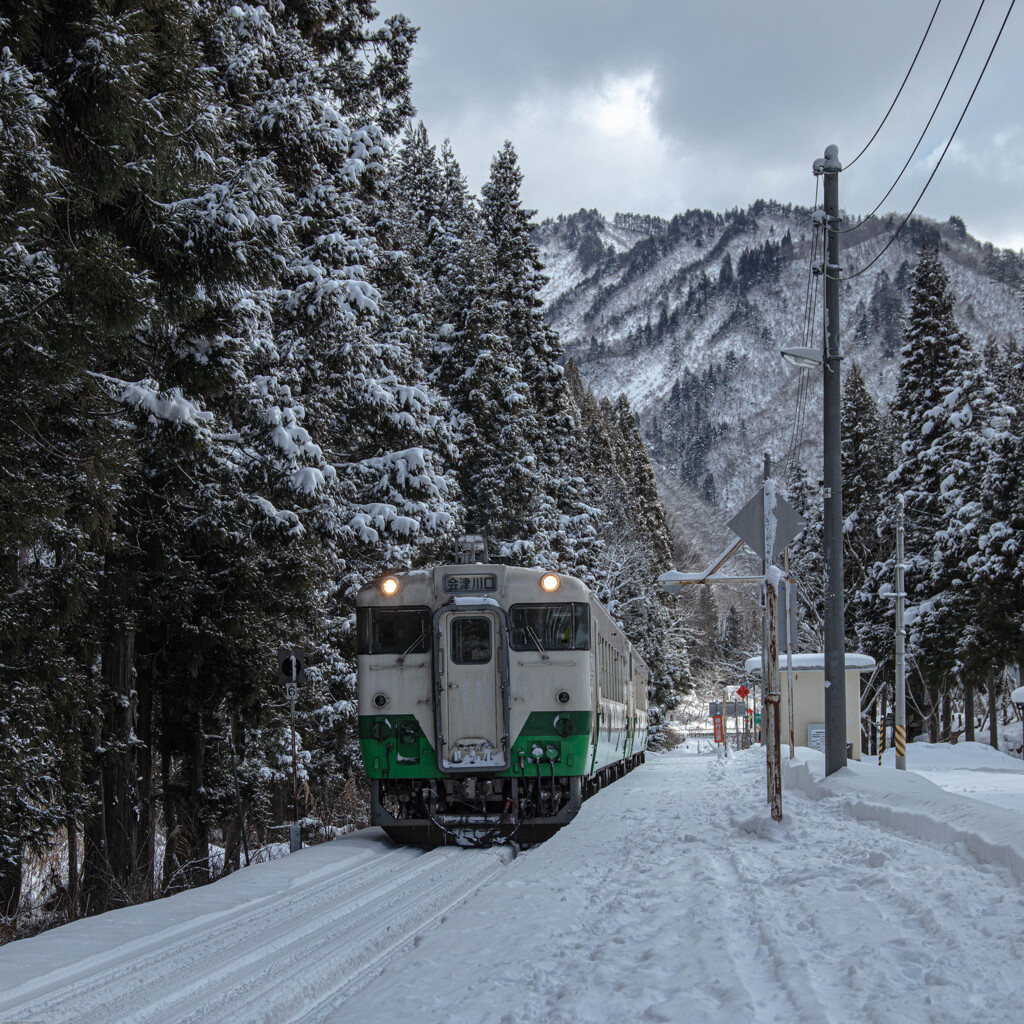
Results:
814 660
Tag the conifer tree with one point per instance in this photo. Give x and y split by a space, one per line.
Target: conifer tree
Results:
320 95
806 558
867 462
986 524
935 471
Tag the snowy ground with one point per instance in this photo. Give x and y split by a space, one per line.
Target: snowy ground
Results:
973 769
673 897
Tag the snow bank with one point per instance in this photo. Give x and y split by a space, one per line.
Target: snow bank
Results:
912 804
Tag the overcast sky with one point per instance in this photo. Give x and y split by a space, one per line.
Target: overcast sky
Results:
658 106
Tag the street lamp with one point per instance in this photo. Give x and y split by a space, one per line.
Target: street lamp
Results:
805 358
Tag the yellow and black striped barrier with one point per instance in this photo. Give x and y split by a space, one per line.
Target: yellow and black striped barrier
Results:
899 740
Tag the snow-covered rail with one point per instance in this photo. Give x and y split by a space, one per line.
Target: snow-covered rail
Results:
279 956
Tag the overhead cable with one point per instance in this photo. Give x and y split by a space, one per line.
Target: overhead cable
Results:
900 90
810 305
944 151
924 131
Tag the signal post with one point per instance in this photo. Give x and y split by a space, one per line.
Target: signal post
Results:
767 523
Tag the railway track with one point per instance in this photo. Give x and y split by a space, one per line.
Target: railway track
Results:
282 957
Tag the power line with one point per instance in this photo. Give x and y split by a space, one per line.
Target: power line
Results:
944 151
900 90
810 270
810 304
924 131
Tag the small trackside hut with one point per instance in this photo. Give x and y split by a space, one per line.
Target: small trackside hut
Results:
492 701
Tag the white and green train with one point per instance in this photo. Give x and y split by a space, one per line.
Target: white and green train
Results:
492 701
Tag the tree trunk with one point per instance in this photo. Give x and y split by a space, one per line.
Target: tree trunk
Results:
232 844
933 715
10 893
947 717
233 828
95 870
199 859
993 724
72 830
146 825
120 790
171 880
969 712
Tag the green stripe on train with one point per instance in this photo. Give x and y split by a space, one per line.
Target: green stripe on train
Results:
395 747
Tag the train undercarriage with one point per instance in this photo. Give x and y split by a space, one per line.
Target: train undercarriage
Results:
484 810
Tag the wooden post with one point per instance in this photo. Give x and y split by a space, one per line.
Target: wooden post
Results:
772 700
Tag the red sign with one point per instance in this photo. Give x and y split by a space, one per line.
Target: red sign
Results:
719 731
742 692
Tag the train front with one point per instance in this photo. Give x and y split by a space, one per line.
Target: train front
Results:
474 703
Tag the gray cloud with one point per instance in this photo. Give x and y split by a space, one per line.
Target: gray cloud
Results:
741 96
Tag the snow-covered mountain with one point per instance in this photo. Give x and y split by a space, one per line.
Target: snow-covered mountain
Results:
686 317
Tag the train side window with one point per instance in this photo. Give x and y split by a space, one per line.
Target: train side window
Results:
471 641
393 630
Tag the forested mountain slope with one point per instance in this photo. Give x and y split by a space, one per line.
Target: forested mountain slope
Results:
686 318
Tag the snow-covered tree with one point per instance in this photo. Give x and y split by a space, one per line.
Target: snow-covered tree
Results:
937 466
867 534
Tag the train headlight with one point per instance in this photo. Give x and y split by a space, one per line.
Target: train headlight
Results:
550 582
563 697
389 586
380 700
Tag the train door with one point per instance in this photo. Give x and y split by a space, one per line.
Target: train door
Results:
472 711
630 710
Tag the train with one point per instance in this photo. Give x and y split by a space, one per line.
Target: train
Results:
493 700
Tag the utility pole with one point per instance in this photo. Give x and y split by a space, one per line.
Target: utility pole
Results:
835 632
790 632
899 732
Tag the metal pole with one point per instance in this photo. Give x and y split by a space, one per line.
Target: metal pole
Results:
725 721
835 632
899 739
791 611
295 778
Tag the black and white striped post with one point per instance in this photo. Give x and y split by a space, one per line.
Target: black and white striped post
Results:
899 732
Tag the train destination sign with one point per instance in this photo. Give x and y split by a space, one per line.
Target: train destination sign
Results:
470 584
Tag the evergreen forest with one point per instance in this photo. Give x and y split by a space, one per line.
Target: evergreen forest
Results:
259 343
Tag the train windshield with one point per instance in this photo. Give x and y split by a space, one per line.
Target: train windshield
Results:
393 630
550 627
